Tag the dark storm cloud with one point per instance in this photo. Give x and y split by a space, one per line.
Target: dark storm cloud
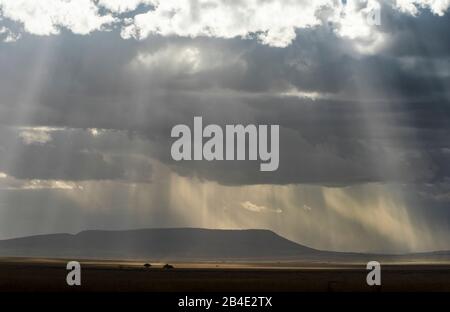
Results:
42 162
411 36
74 155
373 113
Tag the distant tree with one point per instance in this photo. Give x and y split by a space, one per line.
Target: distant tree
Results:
147 265
167 266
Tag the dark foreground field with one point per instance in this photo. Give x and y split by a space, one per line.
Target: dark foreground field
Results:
44 275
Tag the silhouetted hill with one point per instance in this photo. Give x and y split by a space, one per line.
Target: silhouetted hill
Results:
173 243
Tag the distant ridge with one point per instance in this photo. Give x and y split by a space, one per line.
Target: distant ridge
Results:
158 244
187 244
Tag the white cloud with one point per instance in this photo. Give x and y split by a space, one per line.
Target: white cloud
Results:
95 131
272 22
11 183
35 136
171 59
176 59
356 21
50 184
255 208
47 17
438 7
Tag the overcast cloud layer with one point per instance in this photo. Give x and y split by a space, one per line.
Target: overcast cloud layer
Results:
89 91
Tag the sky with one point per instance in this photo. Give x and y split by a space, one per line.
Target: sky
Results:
90 90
